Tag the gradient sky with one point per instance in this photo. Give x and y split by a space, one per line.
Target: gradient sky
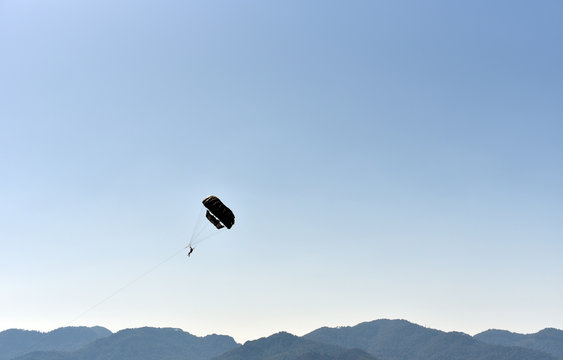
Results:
384 159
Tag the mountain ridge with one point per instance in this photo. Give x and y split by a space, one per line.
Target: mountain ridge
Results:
145 343
548 340
285 346
383 339
16 342
402 340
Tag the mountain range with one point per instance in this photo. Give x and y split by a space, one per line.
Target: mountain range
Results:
144 343
284 346
375 340
547 340
16 342
402 340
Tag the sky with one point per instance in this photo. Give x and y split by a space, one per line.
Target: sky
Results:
383 159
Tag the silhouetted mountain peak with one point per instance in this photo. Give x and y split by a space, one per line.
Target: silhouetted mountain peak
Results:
548 340
402 340
285 346
550 332
146 343
16 342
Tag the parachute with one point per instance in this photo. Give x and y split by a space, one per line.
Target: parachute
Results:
217 213
214 220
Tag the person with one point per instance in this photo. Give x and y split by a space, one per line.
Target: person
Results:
191 251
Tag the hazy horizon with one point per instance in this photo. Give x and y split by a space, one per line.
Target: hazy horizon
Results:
267 335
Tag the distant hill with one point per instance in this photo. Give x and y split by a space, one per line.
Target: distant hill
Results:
379 339
15 342
547 340
145 344
402 340
284 346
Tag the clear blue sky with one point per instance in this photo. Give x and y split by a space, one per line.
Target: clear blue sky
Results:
397 159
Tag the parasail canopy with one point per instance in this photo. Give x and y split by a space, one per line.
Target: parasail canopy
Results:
218 213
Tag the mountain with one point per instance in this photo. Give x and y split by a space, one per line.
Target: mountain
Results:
15 342
379 339
547 340
284 346
402 340
145 344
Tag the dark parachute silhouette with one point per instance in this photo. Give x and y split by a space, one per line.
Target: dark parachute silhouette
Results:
217 213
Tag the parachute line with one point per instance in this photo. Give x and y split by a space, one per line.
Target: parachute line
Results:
147 272
209 225
199 223
202 239
204 228
39 343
